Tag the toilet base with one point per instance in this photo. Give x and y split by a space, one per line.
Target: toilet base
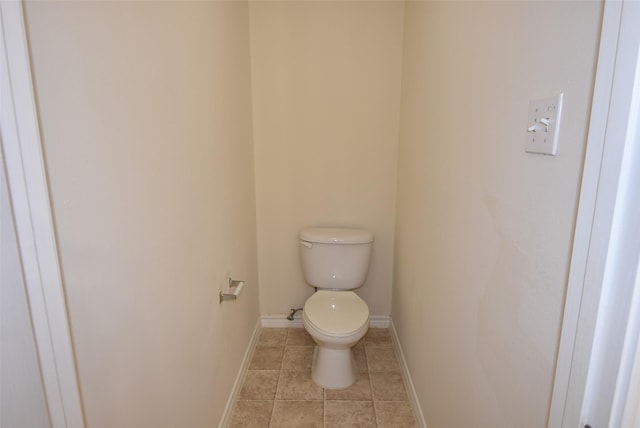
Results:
333 368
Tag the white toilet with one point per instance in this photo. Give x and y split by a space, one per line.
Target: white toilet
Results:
335 261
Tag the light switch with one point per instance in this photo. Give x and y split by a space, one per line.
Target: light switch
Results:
543 126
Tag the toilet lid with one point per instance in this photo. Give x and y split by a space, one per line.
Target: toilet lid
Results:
336 312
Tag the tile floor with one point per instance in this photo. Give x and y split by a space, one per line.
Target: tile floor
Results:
278 391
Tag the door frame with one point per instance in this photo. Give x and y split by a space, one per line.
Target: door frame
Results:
28 189
599 337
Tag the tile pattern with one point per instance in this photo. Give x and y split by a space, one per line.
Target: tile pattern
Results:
278 391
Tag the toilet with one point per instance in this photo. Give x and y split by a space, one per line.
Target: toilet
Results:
335 261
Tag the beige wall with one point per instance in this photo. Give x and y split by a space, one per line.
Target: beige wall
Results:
484 230
146 122
326 96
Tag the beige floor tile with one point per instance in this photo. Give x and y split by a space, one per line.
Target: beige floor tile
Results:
359 391
260 385
387 386
252 414
280 368
353 414
380 359
378 337
297 414
299 337
394 415
298 385
297 358
273 337
267 358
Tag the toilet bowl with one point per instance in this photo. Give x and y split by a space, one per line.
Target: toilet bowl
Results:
336 320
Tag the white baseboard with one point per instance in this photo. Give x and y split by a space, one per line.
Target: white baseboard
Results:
225 421
281 321
379 321
411 391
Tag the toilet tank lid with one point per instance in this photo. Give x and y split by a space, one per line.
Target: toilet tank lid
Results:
334 235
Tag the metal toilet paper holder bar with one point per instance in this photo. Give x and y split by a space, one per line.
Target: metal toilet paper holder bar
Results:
234 285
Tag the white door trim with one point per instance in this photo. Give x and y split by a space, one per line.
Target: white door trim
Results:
602 229
29 194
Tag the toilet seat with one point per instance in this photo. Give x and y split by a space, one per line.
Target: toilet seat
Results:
336 313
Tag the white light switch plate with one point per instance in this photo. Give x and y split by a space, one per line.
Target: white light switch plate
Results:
543 126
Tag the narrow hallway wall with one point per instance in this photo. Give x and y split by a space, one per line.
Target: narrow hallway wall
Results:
326 100
484 230
145 112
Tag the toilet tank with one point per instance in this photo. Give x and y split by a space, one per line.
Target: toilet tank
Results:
335 258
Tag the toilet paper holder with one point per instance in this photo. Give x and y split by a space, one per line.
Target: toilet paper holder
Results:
235 286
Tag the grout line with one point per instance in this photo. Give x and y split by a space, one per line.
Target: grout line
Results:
324 406
373 402
275 398
273 405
